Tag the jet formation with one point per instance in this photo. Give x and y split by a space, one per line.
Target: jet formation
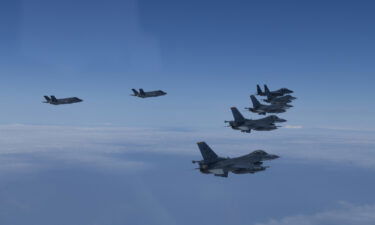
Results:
279 101
251 163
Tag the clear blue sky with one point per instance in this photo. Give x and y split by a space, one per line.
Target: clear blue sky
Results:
208 55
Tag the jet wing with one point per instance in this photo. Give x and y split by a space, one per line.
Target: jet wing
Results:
240 165
261 124
269 124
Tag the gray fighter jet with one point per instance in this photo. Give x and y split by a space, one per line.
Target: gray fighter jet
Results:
264 109
279 100
246 125
148 94
54 101
280 92
219 166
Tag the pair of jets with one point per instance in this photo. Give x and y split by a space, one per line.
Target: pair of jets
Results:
279 101
141 93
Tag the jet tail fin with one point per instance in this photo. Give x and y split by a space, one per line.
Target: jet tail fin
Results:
47 98
142 91
207 153
54 99
237 115
266 90
255 101
135 92
259 90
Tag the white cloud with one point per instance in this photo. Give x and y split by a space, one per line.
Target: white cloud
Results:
347 214
103 146
293 127
28 147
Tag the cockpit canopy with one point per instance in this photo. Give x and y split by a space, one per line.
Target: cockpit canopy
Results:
259 153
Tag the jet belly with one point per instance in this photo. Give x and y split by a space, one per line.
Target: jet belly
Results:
217 171
261 125
218 168
244 128
233 164
261 111
265 128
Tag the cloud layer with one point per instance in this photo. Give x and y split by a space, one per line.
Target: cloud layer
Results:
348 214
22 145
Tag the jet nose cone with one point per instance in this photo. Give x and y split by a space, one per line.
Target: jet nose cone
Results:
281 120
274 156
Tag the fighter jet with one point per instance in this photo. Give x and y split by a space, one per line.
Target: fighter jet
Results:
54 101
264 109
143 94
280 92
219 166
279 100
246 125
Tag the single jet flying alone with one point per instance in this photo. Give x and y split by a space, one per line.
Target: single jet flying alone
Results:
246 125
264 109
55 101
148 94
280 92
219 166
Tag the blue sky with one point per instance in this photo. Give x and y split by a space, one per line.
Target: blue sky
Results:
213 51
208 55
